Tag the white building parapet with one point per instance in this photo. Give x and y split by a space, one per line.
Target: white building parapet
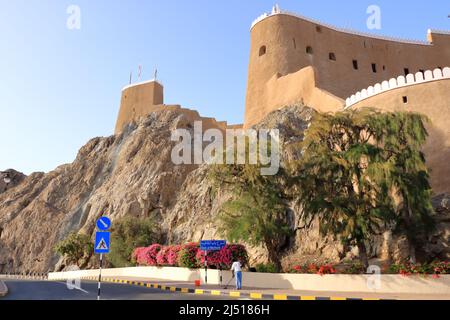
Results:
399 82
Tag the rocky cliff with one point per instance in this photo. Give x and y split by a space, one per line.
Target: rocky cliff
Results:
132 174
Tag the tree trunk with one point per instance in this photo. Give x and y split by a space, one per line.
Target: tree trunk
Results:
411 237
273 255
363 253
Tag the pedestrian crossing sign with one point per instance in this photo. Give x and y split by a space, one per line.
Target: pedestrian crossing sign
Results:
102 242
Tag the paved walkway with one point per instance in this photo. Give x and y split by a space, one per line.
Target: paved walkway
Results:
265 294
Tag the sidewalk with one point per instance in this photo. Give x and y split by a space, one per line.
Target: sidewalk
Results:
258 293
3 289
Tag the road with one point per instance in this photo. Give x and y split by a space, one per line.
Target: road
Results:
43 290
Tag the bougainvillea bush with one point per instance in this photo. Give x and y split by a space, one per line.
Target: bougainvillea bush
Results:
436 268
187 257
172 255
146 256
224 258
314 269
161 257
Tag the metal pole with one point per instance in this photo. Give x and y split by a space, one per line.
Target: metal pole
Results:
206 266
100 277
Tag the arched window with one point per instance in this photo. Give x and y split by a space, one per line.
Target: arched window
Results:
309 50
262 51
332 56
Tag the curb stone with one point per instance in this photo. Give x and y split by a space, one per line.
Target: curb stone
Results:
231 294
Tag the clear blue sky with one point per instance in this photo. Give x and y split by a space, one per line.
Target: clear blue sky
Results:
59 88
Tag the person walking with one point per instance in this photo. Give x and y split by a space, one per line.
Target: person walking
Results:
236 268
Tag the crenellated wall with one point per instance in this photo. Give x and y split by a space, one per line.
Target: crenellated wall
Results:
401 81
428 94
282 43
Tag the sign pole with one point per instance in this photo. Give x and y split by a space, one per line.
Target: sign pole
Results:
100 277
206 266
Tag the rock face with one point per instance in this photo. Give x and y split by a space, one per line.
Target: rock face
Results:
9 179
132 174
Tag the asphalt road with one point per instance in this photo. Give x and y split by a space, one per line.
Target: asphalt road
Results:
43 290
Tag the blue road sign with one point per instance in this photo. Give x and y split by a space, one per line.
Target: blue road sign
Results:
103 223
212 245
102 242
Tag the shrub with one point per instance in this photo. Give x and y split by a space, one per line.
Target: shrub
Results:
436 268
75 247
172 255
151 253
238 252
266 268
187 256
161 257
127 234
224 258
138 256
314 269
355 268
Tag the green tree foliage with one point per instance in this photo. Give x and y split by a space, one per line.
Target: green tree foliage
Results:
127 234
354 164
256 212
75 247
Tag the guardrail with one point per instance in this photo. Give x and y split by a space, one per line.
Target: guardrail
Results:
25 276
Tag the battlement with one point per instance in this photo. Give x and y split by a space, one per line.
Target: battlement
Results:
399 82
277 11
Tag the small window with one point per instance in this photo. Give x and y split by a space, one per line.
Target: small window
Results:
319 29
406 70
295 43
309 50
332 56
262 51
355 64
384 68
421 70
405 99
374 67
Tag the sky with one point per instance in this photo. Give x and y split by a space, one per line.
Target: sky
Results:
60 87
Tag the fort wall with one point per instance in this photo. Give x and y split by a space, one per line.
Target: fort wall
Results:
428 95
345 61
137 101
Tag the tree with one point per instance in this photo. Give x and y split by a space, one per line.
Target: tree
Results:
75 247
256 212
353 165
404 135
126 235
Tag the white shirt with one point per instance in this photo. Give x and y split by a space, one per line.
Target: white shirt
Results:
236 266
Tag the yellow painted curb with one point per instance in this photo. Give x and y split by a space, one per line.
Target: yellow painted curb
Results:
280 297
235 294
216 292
173 289
337 298
184 290
255 295
307 298
199 291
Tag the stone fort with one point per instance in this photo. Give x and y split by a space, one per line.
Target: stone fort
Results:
294 59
